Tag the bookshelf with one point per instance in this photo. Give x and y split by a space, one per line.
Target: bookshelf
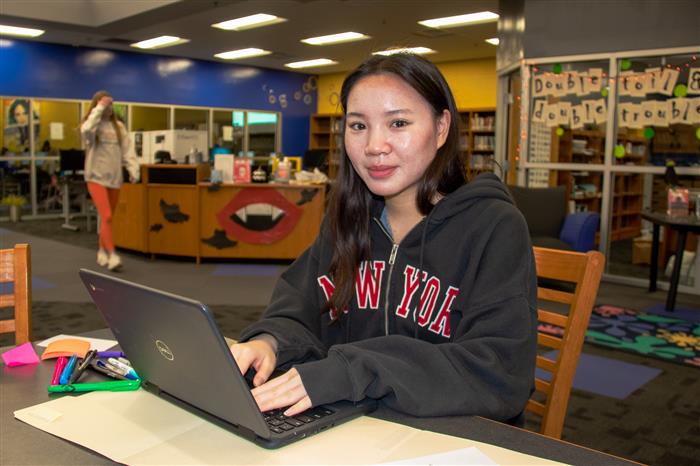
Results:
585 186
477 137
325 134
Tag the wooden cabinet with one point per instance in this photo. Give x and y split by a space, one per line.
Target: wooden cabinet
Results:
129 220
260 221
173 208
477 137
325 133
176 211
173 219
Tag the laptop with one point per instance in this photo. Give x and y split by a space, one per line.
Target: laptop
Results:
178 351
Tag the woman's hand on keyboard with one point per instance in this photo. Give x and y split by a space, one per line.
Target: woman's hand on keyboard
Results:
280 392
258 354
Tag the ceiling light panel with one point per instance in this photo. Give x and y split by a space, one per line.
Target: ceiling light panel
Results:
311 63
242 53
460 20
493 41
18 31
335 38
159 42
414 50
249 22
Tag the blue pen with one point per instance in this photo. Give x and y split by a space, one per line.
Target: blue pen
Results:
110 354
121 368
65 375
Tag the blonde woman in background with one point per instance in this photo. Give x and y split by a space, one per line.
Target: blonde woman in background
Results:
107 149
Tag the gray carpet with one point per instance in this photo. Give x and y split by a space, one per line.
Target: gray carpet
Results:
657 424
54 318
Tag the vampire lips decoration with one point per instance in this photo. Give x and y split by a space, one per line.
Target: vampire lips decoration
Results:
259 216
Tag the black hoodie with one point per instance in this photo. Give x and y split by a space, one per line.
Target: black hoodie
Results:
468 350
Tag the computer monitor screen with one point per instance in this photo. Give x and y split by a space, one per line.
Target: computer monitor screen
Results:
315 158
72 160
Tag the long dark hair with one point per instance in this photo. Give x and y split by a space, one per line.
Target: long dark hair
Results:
349 206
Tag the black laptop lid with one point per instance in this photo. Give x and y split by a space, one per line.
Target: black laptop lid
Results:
174 344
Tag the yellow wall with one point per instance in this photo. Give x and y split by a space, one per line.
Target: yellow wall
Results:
473 83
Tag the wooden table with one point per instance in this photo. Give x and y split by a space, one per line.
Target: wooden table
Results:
682 225
25 386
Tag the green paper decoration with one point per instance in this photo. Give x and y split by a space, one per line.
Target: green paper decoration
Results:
681 90
625 64
556 69
619 151
560 131
649 133
604 92
697 133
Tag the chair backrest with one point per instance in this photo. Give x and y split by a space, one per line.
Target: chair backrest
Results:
15 267
544 209
551 397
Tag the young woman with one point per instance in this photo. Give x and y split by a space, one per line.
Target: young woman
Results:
107 148
420 288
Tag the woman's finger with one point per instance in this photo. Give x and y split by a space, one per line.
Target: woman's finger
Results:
284 393
299 407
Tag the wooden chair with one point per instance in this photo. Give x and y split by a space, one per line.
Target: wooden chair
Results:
15 266
551 398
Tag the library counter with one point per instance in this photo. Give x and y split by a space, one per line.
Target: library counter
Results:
174 211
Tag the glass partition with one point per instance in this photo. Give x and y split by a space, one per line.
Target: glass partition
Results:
612 153
189 118
30 163
658 110
228 130
59 129
657 123
149 118
568 122
262 132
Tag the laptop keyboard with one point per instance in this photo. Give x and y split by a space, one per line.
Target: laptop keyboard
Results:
279 423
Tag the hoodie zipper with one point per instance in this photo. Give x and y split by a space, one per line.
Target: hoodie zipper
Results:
392 259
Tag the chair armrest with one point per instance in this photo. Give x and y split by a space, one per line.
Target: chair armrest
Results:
579 230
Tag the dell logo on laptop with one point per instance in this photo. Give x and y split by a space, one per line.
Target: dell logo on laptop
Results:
164 350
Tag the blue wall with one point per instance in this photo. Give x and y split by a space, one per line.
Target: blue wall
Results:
42 70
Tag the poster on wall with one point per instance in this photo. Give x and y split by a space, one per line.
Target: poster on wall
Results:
16 130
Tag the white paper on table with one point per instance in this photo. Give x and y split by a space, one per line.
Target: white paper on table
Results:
139 428
471 455
56 130
100 344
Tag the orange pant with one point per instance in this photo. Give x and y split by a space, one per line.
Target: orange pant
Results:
105 200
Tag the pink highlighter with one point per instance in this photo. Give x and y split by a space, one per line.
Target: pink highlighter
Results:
58 369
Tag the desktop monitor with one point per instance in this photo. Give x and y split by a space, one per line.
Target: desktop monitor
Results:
315 158
71 160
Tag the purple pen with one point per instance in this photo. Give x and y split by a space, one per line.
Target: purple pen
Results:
110 354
